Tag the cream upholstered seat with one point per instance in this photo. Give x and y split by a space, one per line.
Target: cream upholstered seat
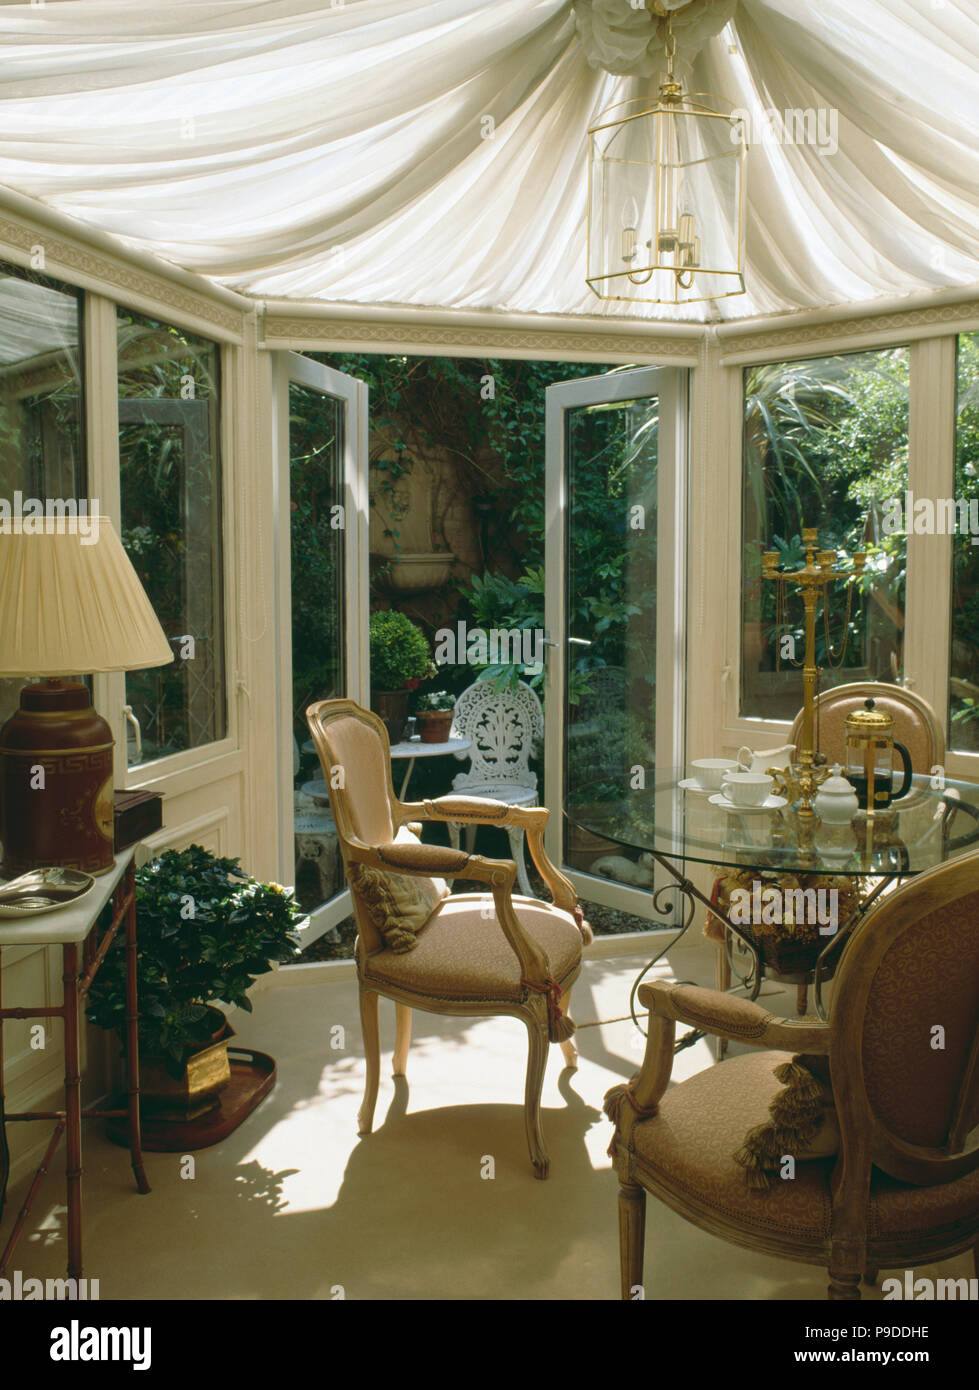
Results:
904 1188
463 954
474 953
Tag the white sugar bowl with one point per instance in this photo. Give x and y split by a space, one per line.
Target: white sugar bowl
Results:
836 801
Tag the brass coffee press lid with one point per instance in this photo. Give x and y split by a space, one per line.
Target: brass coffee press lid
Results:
869 720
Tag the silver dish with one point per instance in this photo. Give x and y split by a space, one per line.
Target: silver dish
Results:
43 890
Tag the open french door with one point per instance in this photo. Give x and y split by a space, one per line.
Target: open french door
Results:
322 607
614 705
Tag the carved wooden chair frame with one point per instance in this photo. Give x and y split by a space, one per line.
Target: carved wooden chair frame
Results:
852 1250
543 1007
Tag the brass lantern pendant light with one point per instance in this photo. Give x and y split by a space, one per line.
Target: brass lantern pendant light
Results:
666 198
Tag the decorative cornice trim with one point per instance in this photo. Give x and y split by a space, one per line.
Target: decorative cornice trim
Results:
945 316
89 269
280 332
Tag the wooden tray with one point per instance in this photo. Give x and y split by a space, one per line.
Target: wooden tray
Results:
252 1077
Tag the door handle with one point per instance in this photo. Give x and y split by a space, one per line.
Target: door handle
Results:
133 722
579 641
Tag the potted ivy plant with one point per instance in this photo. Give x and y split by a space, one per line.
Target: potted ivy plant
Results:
205 931
400 661
434 712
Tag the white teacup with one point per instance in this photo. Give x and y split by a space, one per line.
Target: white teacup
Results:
748 788
709 773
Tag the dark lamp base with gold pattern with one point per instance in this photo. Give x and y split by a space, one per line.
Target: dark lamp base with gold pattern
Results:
56 794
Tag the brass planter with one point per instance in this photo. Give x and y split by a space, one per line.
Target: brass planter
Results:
198 1089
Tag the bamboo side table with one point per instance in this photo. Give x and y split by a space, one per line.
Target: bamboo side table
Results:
70 928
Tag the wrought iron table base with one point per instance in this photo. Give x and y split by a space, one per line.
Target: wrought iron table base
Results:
686 889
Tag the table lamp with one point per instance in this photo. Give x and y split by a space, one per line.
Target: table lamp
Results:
70 602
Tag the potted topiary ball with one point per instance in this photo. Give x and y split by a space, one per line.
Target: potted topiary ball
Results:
400 660
205 931
434 712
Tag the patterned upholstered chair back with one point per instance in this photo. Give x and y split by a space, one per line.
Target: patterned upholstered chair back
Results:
501 726
915 723
905 1052
355 756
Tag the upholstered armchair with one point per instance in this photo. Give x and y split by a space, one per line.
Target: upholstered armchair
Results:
897 1184
468 953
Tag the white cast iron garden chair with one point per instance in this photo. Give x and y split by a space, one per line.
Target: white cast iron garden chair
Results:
501 726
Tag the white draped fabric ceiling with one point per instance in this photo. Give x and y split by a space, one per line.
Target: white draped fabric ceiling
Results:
391 151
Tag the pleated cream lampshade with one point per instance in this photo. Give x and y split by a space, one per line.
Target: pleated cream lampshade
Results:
70 603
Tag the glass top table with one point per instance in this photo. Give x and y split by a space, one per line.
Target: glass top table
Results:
936 820
926 827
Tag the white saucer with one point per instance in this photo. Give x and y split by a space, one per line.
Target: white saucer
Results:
690 784
772 803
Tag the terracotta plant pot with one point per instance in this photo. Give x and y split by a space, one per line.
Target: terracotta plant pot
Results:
434 725
196 1092
392 706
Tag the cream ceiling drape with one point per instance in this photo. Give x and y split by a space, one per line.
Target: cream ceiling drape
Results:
386 151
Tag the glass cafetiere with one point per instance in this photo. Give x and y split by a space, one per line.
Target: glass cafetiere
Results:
870 748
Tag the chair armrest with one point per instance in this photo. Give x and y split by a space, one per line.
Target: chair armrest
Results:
727 1016
477 810
707 1009
423 859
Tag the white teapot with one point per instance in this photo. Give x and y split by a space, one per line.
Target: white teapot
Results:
765 759
836 802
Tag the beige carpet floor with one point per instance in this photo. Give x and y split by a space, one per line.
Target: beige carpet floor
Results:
438 1203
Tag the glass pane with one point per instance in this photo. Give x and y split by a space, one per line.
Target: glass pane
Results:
611 603
42 437
316 423
825 445
169 466
964 668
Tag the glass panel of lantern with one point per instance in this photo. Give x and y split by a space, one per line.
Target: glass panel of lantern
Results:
666 203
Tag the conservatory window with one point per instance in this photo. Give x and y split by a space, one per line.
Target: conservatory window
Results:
42 428
826 446
169 474
964 656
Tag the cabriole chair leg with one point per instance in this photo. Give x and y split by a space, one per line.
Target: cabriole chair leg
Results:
536 1063
402 1038
372 1053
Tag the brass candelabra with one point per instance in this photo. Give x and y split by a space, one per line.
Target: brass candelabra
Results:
813 578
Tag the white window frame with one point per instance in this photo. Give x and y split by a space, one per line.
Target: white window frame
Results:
191 767
288 368
931 455
670 385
